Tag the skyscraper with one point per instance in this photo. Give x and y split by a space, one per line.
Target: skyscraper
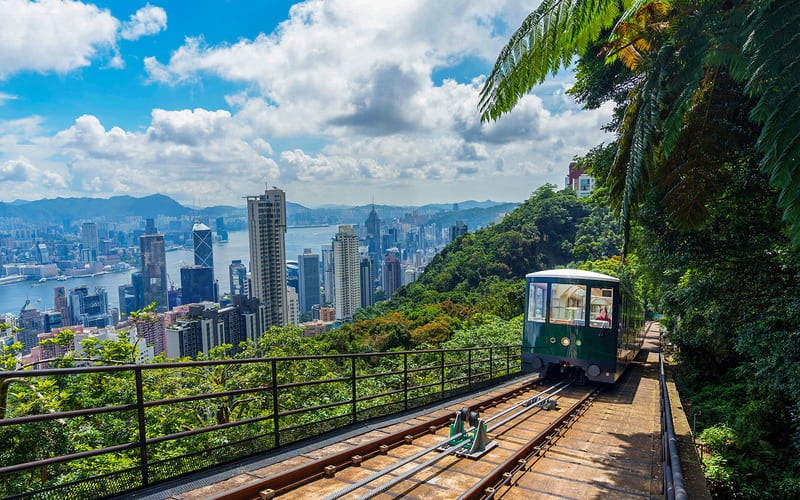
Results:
30 322
373 226
238 275
266 223
89 242
61 304
327 272
367 281
308 280
203 245
150 227
197 284
457 229
391 274
154 271
347 274
89 309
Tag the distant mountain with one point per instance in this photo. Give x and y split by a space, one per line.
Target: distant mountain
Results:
473 213
463 205
475 217
116 207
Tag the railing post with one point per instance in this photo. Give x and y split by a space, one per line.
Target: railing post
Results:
442 373
353 386
275 409
469 368
491 363
405 378
508 360
142 427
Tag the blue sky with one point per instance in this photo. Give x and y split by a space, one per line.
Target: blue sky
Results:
334 101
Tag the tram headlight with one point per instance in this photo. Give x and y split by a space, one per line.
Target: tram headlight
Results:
565 341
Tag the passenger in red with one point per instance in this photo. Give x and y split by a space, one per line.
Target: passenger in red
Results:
603 316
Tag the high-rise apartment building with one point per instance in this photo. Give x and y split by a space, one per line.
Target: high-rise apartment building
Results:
308 280
238 275
204 329
203 246
367 281
327 272
154 271
347 274
292 307
266 222
89 242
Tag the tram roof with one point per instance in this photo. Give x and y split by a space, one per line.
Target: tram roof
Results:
572 274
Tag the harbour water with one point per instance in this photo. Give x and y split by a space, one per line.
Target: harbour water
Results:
13 295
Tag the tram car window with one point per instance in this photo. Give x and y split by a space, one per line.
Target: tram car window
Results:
536 307
600 299
567 304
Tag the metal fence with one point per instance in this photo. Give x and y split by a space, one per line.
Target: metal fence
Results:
671 463
256 405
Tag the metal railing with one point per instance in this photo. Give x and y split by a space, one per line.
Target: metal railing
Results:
252 406
673 486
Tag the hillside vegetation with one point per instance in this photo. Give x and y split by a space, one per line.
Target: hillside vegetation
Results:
480 276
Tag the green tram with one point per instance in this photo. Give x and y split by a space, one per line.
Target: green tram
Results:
582 324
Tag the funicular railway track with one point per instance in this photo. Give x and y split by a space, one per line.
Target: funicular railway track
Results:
427 460
596 443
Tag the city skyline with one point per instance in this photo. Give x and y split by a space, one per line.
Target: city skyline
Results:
376 100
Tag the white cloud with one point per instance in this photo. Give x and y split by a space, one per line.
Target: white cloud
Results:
148 20
341 63
22 171
6 97
183 153
64 35
52 35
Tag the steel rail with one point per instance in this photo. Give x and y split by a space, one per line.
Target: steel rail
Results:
425 451
303 474
487 485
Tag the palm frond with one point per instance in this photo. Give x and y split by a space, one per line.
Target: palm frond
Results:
773 50
545 42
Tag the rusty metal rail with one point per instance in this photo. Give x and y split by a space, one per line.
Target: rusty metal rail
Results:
325 467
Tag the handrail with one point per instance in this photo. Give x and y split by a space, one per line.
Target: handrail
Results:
284 422
674 488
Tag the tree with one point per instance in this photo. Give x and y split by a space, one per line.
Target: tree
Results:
684 60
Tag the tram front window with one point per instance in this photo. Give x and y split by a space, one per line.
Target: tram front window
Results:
536 296
567 304
601 301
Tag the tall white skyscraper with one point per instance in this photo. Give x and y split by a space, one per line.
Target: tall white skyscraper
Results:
266 223
347 273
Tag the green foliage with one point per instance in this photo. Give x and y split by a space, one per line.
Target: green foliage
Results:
544 43
694 71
